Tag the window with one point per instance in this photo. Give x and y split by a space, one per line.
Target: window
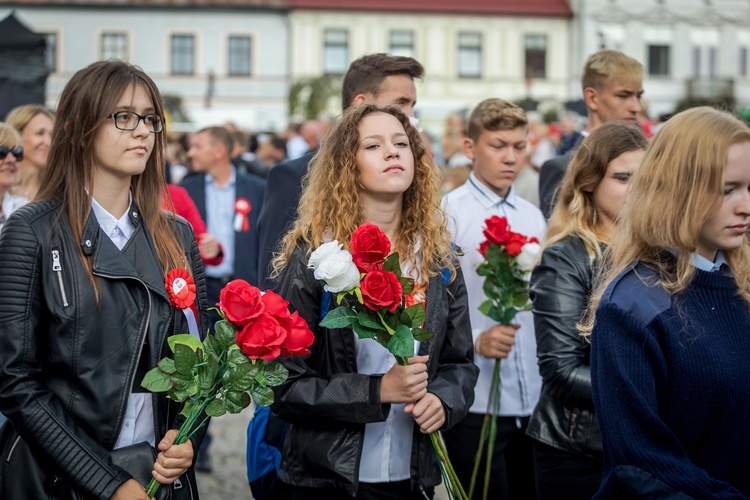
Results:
704 61
742 66
50 51
114 46
469 55
536 56
183 48
335 51
239 55
402 43
658 60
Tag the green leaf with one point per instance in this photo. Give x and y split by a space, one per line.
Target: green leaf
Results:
407 285
341 317
485 307
210 346
215 408
240 377
507 316
391 264
358 293
167 365
207 378
263 396
275 374
236 401
365 333
520 298
226 334
184 359
402 342
368 321
186 409
413 316
236 357
184 339
157 380
421 334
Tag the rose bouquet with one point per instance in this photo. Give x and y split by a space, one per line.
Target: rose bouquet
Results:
509 257
373 298
233 366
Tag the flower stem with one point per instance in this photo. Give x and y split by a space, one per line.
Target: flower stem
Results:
488 434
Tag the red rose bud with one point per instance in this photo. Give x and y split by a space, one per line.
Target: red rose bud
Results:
299 337
240 302
514 244
483 247
369 246
262 338
497 230
381 289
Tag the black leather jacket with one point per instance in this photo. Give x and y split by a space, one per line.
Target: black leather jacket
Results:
328 403
69 360
560 287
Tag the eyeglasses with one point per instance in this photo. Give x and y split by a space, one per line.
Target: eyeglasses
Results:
17 152
128 120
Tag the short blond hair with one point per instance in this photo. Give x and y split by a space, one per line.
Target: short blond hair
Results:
494 115
19 117
607 65
9 136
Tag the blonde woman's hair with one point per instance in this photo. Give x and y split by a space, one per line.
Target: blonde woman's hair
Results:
19 117
9 136
576 213
331 205
679 186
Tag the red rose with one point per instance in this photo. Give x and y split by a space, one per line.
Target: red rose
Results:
381 289
262 338
369 246
299 337
275 304
497 230
483 247
240 302
514 244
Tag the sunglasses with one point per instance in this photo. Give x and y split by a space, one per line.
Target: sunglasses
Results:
17 152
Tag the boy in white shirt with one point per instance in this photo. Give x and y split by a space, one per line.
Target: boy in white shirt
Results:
496 142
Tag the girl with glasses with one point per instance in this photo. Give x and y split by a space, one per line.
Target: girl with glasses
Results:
86 311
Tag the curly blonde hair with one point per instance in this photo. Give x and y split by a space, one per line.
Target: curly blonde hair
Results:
331 206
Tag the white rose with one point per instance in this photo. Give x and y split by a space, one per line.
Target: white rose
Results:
322 253
527 257
339 272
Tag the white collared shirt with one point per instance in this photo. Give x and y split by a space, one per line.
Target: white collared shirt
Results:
138 425
10 204
468 206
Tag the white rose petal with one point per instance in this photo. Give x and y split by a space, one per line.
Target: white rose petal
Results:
338 271
527 257
322 253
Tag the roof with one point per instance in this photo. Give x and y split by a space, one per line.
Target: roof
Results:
547 8
15 34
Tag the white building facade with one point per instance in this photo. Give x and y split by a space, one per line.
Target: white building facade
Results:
226 62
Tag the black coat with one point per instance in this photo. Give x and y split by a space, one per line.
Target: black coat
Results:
69 359
560 288
328 403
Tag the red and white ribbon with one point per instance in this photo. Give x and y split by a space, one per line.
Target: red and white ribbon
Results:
242 209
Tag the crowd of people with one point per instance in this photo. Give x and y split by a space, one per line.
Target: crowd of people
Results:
626 378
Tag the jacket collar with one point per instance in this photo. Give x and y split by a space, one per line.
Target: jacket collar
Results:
137 259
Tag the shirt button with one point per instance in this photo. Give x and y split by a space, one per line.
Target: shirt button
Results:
127 424
135 215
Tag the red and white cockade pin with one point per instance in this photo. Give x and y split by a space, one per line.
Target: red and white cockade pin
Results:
242 209
180 288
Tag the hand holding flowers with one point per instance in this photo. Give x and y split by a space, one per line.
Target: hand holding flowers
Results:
225 371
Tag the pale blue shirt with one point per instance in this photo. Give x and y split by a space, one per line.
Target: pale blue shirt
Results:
700 262
220 221
468 206
138 425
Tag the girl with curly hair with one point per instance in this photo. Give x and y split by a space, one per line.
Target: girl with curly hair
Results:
359 421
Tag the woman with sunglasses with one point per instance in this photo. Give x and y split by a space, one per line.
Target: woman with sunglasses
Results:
34 122
11 154
87 304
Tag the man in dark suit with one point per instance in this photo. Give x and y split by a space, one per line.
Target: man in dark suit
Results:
229 202
612 88
380 78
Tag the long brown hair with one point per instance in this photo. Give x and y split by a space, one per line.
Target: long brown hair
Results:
90 95
575 212
678 188
330 205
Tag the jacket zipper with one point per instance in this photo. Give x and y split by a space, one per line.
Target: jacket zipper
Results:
12 449
573 418
57 269
121 413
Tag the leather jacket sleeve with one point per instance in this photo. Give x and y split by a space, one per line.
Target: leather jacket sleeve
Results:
456 371
44 422
559 289
323 386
